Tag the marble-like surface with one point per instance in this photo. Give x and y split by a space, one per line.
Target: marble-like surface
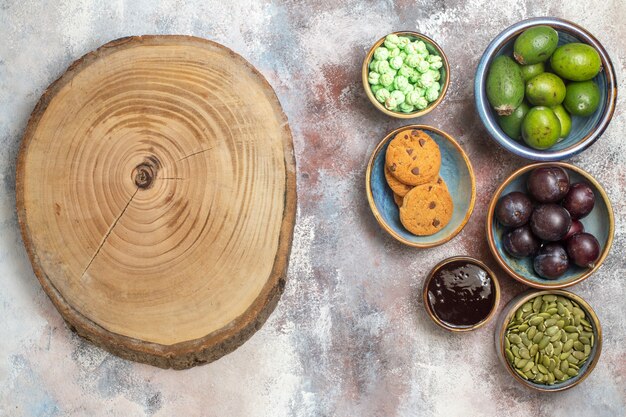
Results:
350 336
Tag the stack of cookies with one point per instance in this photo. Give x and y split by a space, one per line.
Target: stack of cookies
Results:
412 167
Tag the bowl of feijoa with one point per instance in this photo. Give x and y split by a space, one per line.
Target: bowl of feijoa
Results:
545 89
548 340
550 225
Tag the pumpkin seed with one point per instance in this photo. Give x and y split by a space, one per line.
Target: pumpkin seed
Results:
555 337
578 355
515 339
564 366
549 322
537 302
535 321
550 378
509 355
570 329
533 350
587 350
572 372
572 336
523 327
567 346
524 353
552 330
560 323
545 361
531 332
549 298
544 342
515 351
520 373
527 307
538 336
578 345
542 369
557 373
552 365
549 349
528 366
585 340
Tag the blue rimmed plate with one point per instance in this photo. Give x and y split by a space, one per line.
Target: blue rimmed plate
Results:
456 170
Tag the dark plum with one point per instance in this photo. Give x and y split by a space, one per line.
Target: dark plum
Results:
580 200
514 209
575 228
521 242
548 184
551 261
583 249
550 222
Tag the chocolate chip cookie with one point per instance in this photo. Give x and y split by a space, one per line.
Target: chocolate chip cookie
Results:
426 209
413 157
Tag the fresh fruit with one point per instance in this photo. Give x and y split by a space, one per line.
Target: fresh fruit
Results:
505 86
529 71
548 184
511 125
541 128
564 119
535 45
583 249
576 227
514 209
551 261
520 242
545 89
576 62
582 98
580 200
550 222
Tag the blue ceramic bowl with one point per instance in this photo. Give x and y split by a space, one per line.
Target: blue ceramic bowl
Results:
508 313
585 130
599 222
456 170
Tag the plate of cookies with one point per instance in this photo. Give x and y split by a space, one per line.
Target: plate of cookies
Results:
420 186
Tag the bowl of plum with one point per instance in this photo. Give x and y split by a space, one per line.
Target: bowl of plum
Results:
550 225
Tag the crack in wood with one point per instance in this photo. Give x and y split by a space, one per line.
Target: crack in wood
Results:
104 239
195 153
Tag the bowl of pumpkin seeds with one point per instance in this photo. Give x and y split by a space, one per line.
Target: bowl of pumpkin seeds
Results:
548 340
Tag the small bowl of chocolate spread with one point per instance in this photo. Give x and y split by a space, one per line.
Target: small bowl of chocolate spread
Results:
461 294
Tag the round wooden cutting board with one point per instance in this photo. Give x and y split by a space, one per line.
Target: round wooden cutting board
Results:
156 195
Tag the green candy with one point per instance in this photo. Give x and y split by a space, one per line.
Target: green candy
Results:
406 90
373 78
406 107
403 41
396 62
398 96
381 54
383 67
421 103
436 65
391 103
420 47
414 96
376 87
391 41
406 71
374 65
436 75
426 80
413 60
386 79
400 82
382 94
394 52
423 66
410 49
432 93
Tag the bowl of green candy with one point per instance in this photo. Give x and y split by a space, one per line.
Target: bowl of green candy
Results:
548 340
405 74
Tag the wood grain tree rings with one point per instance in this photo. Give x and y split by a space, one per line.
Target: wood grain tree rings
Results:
156 196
